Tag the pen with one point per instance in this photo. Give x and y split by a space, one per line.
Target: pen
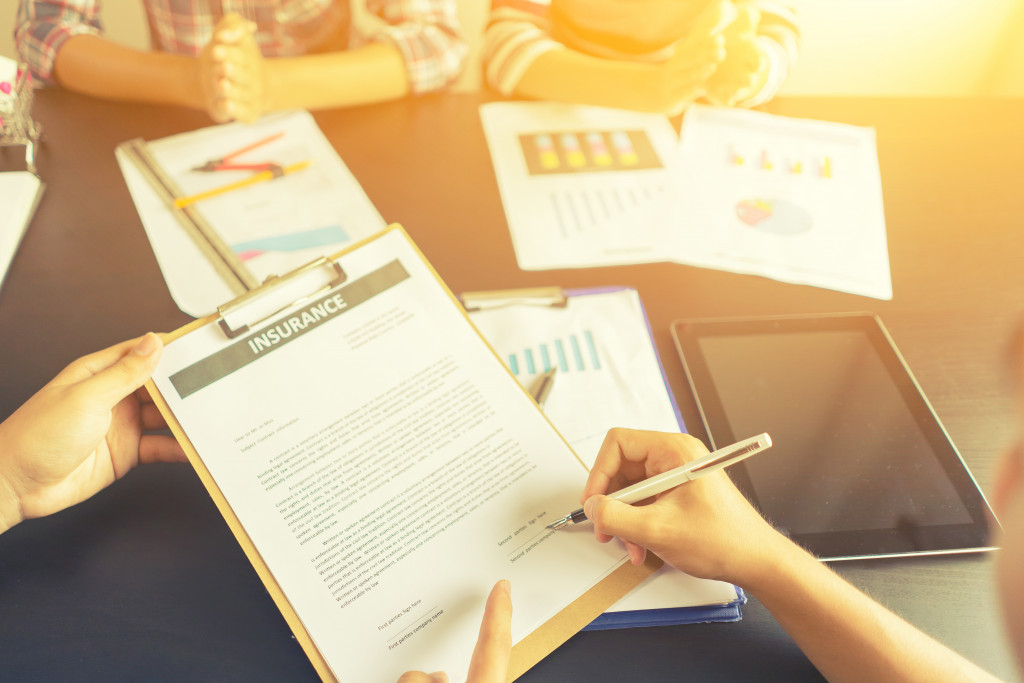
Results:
542 386
269 174
712 462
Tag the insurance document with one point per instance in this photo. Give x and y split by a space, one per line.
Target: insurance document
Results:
389 469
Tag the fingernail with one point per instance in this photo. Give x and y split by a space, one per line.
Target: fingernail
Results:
439 677
218 52
506 586
588 507
147 345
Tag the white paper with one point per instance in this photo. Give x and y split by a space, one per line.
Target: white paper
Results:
335 447
794 200
19 192
273 226
790 199
608 376
595 202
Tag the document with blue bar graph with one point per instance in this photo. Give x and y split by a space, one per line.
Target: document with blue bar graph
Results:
306 203
609 375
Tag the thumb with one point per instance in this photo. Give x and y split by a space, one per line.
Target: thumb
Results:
111 384
746 21
615 518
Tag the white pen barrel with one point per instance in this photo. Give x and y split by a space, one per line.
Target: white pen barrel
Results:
653 486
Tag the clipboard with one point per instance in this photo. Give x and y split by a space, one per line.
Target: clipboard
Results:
556 297
265 302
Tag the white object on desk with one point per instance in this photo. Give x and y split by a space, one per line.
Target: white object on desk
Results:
273 226
790 199
366 438
581 186
20 192
609 376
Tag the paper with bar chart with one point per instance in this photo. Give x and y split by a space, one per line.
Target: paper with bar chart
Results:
580 185
608 376
790 199
272 226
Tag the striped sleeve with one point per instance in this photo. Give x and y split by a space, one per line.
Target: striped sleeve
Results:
43 26
779 37
429 36
516 35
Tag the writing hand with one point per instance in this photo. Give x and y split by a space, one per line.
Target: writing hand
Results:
493 647
83 430
233 72
705 527
744 69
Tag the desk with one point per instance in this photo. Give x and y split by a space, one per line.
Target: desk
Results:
145 581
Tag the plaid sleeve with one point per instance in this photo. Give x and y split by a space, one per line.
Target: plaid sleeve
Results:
429 36
42 26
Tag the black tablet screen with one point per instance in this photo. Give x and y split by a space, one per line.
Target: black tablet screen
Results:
849 453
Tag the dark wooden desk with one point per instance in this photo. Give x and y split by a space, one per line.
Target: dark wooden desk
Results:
145 581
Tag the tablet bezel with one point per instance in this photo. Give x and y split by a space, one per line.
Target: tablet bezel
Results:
843 545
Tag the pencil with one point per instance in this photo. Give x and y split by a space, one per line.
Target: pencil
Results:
182 202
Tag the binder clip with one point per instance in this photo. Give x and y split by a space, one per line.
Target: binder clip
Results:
548 297
277 294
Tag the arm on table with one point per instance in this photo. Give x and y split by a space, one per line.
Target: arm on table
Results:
845 634
565 75
93 65
374 73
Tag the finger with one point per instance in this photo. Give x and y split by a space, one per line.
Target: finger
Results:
420 677
628 456
121 378
615 518
608 465
231 28
155 448
151 418
231 54
243 111
713 21
494 646
87 366
746 22
637 553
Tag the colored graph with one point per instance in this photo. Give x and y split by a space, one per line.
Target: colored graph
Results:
775 216
573 353
801 164
296 241
588 151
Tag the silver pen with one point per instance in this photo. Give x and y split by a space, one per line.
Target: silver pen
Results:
659 483
542 386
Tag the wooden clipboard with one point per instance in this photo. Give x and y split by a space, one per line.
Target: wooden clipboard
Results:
527 652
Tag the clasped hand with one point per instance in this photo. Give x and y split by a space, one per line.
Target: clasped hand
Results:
233 72
721 59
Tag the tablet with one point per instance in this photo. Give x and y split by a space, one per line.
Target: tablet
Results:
861 465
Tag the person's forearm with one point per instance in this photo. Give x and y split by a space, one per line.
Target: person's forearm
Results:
374 73
92 65
568 76
10 505
847 635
